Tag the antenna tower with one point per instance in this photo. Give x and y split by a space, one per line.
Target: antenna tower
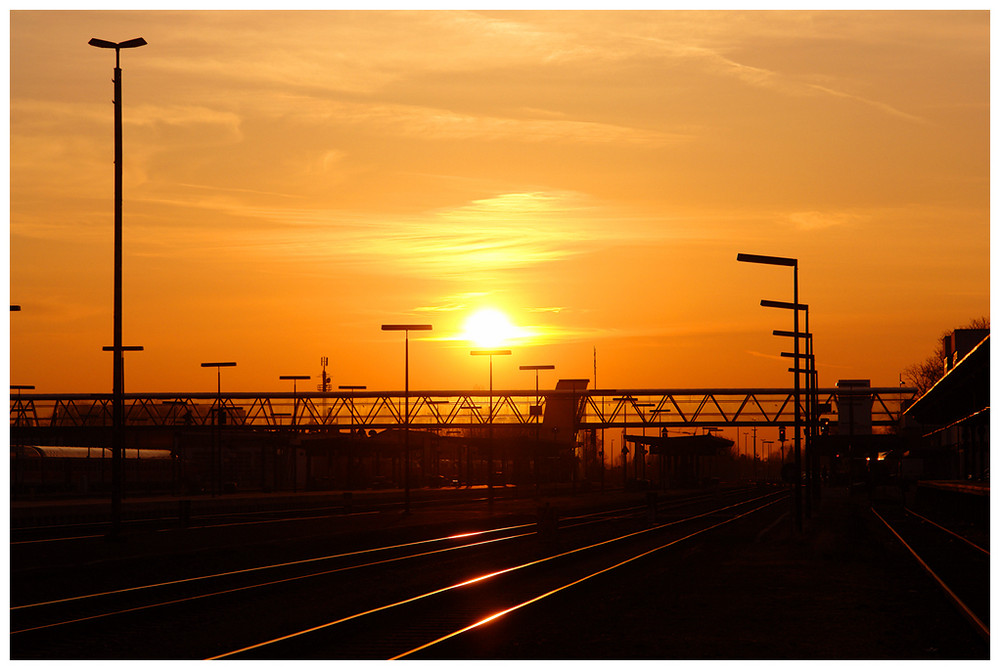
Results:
324 384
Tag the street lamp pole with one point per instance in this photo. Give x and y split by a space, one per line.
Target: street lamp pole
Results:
216 469
295 411
810 401
489 446
538 418
118 434
794 264
118 400
406 328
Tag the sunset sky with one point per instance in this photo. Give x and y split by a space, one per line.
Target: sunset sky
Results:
293 180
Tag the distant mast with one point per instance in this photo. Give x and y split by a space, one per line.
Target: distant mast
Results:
324 384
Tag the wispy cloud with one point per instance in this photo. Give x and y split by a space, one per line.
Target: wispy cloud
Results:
875 104
714 58
508 231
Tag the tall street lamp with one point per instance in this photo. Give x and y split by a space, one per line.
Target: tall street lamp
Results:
809 370
217 423
489 445
118 400
810 401
295 412
536 412
406 328
794 264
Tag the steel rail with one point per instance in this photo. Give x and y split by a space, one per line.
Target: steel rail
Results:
506 571
497 615
963 609
469 540
948 531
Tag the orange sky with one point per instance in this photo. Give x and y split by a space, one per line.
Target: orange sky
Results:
294 180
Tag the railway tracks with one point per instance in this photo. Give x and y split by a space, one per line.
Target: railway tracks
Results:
384 601
958 566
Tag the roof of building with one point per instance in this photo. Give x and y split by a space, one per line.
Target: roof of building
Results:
962 393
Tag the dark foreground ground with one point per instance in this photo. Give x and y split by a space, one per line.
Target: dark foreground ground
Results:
840 589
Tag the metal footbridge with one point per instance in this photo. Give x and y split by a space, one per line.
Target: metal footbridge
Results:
377 410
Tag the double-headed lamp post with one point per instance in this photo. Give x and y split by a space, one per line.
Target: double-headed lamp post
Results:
406 328
489 445
537 413
794 264
118 401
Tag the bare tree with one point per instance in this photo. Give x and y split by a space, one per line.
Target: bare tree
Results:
922 376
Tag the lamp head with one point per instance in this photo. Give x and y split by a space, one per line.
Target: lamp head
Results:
767 260
127 44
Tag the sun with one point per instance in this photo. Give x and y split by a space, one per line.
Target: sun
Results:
489 328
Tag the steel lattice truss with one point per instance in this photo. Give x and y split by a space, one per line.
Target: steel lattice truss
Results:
442 409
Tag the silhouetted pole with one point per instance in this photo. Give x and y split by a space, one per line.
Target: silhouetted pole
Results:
216 450
798 396
117 466
406 328
538 418
489 445
295 392
809 400
641 449
663 433
118 400
812 402
794 264
770 466
295 411
18 387
624 400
